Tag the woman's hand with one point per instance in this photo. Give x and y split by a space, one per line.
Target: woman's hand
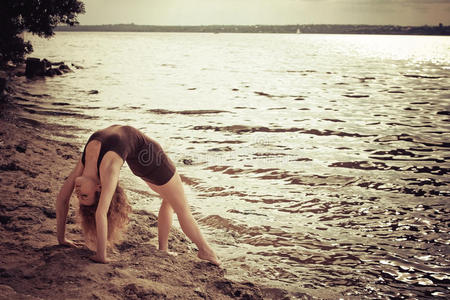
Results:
98 259
70 243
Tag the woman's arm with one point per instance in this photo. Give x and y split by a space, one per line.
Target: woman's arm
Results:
109 176
62 203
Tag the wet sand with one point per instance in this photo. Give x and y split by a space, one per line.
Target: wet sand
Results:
32 264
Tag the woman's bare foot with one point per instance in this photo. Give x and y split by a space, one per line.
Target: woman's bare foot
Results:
209 255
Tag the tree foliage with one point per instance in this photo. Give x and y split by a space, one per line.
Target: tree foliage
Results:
36 16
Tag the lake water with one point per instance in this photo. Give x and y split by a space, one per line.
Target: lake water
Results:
314 163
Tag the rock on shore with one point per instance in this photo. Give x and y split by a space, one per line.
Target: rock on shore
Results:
37 67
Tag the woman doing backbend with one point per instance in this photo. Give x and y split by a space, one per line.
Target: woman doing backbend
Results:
103 205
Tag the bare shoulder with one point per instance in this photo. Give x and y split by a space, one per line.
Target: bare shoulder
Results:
92 150
93 145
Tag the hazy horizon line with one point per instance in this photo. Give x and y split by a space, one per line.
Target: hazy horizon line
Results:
292 24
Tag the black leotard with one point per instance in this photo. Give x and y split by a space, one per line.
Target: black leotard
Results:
144 156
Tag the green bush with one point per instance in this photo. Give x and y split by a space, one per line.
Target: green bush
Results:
36 16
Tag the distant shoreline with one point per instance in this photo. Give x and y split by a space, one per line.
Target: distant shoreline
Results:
301 29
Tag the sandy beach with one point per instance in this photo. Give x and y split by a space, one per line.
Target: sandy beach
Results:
32 264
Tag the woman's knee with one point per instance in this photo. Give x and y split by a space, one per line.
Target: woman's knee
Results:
165 205
178 203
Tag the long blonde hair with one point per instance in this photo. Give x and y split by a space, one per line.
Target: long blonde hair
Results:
118 219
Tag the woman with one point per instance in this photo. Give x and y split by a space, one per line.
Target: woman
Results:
103 206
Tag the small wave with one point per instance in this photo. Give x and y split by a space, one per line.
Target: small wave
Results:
424 182
244 107
88 107
133 107
397 152
303 159
444 112
269 154
355 96
396 92
420 158
22 99
217 142
420 102
211 192
245 213
421 76
218 222
279 96
382 186
392 138
300 98
268 173
249 129
35 95
259 236
32 122
364 79
186 112
301 71
277 108
264 94
408 138
334 120
408 125
58 113
318 180
221 149
290 177
435 170
362 165
30 105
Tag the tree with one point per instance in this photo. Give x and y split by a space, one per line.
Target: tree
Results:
36 16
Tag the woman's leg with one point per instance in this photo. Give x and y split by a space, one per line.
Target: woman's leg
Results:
173 194
164 224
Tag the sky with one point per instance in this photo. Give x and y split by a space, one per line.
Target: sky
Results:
276 12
